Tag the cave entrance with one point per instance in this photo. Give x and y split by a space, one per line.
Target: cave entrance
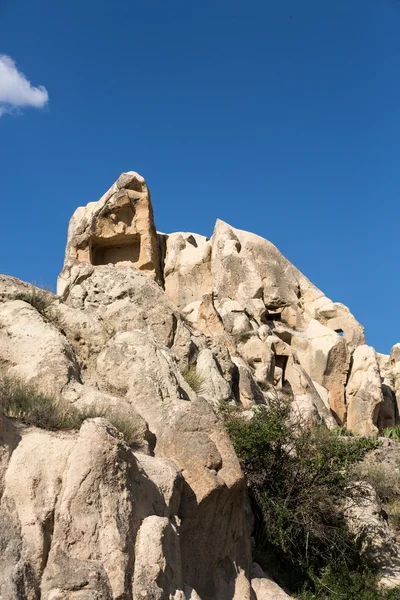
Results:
118 249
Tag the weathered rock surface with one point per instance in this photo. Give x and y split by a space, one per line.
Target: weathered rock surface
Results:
364 391
118 229
83 516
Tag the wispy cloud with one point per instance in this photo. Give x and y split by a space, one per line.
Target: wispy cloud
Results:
16 90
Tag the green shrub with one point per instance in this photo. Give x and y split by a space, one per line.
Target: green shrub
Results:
298 482
23 402
193 378
343 431
342 584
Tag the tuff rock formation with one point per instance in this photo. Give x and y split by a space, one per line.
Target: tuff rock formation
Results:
85 517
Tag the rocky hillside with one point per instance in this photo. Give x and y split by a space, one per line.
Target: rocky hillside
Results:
164 329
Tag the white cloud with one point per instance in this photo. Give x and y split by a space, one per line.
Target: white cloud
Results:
15 89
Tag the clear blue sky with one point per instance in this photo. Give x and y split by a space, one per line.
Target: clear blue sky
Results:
280 117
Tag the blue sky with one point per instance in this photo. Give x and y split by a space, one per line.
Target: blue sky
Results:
280 117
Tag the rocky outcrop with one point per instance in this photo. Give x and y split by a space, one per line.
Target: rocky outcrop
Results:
239 286
118 229
136 313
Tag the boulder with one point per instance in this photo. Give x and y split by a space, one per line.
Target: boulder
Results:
264 587
33 350
158 568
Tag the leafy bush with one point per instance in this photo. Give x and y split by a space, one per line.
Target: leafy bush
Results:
193 378
22 401
298 482
341 584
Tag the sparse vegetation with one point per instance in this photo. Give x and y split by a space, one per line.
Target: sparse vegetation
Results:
393 509
343 584
264 385
245 336
384 479
298 481
39 299
391 432
193 378
122 419
24 402
343 431
386 482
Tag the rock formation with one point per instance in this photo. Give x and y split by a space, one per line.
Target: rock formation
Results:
136 310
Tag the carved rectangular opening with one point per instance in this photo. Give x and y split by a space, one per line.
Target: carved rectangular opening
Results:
115 250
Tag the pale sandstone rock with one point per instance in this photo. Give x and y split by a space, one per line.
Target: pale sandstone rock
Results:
323 394
259 355
364 392
395 373
33 350
214 386
353 331
11 286
366 520
208 320
191 312
245 266
248 391
158 568
71 533
125 299
308 404
388 412
235 318
32 511
105 495
118 229
107 521
264 587
187 269
189 433
326 359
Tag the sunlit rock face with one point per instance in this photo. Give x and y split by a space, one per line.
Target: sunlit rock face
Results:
117 230
165 328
